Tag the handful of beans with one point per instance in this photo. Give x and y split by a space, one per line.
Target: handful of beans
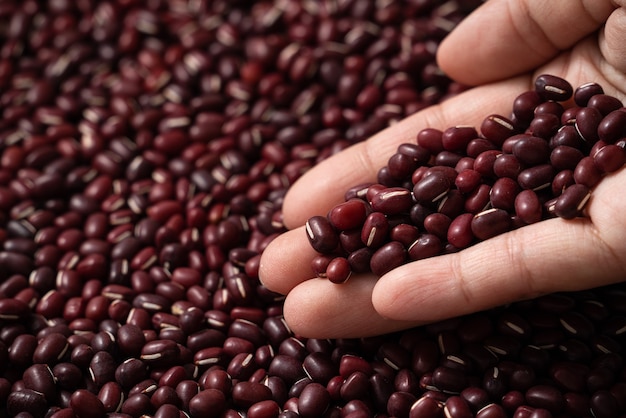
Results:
453 188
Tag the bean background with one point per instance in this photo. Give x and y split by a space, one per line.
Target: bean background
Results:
145 148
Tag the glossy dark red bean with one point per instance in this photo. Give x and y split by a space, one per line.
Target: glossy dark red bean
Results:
475 397
39 378
426 407
604 404
246 394
111 396
604 103
321 234
531 150
612 127
102 368
528 207
551 87
503 194
427 245
392 201
264 409
507 165
609 158
26 401
477 146
355 386
388 257
490 223
536 178
456 406
399 403
460 232
67 375
588 120
587 172
524 105
561 181
13 309
161 352
431 188
544 396
572 201
86 404
457 138
467 180
437 224
349 363
449 379
51 349
348 215
375 230
319 367
431 139
497 128
417 153
401 165
404 233
287 368
544 125
207 403
351 240
492 410
167 411
552 107
484 162
584 92
313 401
564 157
338 270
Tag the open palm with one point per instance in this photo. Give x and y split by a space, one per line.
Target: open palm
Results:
500 48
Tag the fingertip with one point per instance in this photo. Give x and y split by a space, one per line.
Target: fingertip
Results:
318 308
613 40
501 39
286 261
301 312
413 291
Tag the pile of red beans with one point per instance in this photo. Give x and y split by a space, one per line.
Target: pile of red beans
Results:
145 149
457 187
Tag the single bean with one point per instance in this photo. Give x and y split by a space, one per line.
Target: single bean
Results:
572 201
86 404
550 87
609 158
388 257
588 120
321 234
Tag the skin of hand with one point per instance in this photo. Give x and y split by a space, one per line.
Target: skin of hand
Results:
500 48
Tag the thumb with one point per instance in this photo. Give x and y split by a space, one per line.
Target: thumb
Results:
501 39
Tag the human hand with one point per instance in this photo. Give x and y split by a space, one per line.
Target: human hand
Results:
502 47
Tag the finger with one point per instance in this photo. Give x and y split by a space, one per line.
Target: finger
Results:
286 261
324 185
318 308
504 38
613 40
553 255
